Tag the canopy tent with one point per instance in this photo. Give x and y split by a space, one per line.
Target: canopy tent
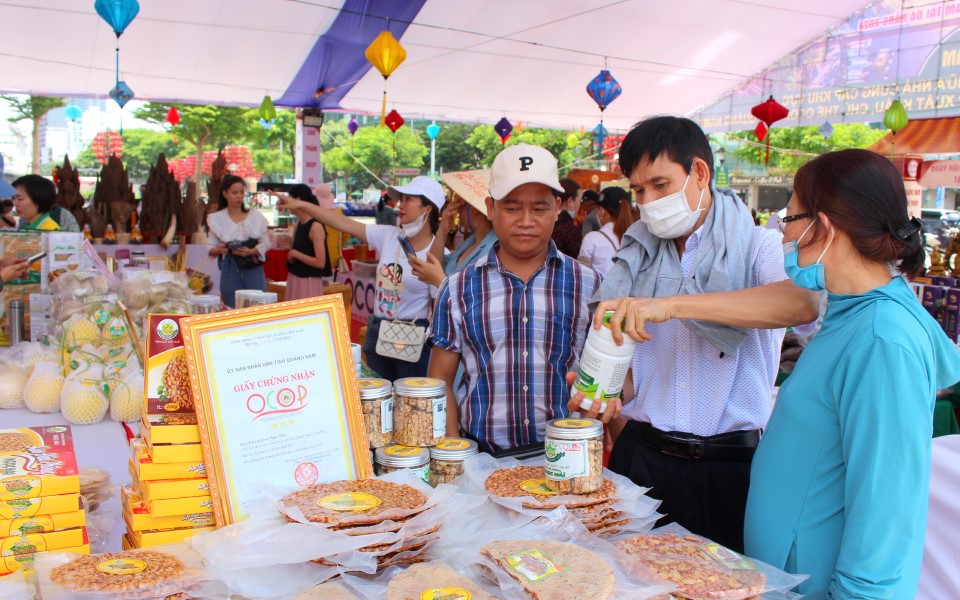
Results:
927 136
475 60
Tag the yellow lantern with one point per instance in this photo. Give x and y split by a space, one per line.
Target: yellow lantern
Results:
386 54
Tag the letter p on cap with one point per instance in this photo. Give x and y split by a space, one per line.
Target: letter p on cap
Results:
525 162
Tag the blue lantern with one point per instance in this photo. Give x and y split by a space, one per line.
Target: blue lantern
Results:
118 13
503 129
826 130
604 89
267 124
121 93
600 133
73 112
433 130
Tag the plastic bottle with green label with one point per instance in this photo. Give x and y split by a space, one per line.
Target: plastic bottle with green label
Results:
603 366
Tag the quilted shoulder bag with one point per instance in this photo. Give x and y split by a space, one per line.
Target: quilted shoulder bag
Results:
402 340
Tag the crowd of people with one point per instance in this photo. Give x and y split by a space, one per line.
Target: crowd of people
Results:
830 480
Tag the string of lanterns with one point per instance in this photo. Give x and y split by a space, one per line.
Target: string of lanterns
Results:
118 14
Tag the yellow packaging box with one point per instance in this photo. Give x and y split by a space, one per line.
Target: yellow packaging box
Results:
166 489
172 429
160 537
37 461
147 470
139 518
180 506
42 523
45 505
171 453
125 543
9 564
41 542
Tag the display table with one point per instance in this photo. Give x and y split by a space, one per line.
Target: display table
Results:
103 446
940 574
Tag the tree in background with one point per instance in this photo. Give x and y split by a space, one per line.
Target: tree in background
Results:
141 147
32 108
372 147
806 139
203 127
569 147
274 149
452 153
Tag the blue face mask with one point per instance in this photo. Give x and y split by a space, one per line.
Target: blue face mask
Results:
811 277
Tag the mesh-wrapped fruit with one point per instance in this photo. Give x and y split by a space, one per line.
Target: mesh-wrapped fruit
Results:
83 402
12 380
79 330
126 398
42 391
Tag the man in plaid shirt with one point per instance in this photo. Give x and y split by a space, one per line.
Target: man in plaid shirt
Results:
516 319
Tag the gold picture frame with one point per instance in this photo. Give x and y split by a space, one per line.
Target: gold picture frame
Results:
276 395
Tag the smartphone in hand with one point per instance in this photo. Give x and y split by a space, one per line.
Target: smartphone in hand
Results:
36 257
407 246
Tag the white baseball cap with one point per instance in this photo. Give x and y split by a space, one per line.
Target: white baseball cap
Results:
520 164
420 186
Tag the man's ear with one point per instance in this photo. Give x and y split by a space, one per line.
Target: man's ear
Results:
490 204
701 173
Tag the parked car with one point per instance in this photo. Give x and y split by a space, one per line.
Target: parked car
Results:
940 222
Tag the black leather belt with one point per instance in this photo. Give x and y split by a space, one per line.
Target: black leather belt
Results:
735 446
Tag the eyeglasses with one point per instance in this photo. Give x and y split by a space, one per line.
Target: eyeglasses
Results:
784 220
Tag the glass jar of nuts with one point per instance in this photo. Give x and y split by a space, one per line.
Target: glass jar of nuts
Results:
396 457
574 455
419 411
446 459
376 396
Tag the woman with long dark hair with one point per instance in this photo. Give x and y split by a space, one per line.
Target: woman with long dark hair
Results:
239 238
309 259
839 483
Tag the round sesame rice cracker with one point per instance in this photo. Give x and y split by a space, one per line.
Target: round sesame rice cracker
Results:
506 484
395 500
157 570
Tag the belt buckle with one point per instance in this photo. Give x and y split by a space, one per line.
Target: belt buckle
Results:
681 447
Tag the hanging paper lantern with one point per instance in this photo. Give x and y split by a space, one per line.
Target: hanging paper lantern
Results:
604 89
769 112
173 116
761 130
385 53
266 124
353 126
503 129
118 13
394 121
600 134
267 111
826 130
895 118
121 93
73 112
433 130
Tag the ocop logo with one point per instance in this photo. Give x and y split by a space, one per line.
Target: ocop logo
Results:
168 329
285 400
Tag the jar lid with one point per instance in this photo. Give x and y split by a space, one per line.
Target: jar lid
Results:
420 387
374 389
574 429
205 300
451 448
396 455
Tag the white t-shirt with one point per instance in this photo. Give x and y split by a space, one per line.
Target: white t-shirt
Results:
223 229
600 248
400 295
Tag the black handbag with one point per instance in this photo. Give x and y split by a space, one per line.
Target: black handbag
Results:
246 262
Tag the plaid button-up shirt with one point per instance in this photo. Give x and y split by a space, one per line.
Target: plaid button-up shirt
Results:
517 340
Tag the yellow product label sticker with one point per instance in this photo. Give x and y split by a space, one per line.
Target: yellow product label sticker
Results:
349 501
371 384
446 444
537 486
446 593
534 566
572 423
421 382
121 566
402 450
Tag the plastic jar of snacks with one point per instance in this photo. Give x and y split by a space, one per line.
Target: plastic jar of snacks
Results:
574 455
446 459
419 411
396 457
204 305
376 397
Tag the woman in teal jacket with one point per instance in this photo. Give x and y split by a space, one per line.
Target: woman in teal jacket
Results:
839 483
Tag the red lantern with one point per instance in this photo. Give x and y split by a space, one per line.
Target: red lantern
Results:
173 116
761 130
769 112
394 121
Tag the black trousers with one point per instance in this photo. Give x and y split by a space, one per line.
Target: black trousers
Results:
708 497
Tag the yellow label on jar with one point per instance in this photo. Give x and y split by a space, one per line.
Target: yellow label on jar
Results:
537 486
534 566
572 423
121 566
371 384
349 501
421 382
447 593
446 444
397 450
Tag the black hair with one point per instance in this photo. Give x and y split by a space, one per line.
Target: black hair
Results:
862 194
681 139
228 181
570 189
434 219
41 191
302 191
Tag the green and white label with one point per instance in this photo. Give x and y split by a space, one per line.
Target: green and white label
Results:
566 459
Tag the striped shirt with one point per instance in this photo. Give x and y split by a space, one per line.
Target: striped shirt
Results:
517 340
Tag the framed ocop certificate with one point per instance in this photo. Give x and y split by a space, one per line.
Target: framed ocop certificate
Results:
277 400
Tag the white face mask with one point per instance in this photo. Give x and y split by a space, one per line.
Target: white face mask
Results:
412 229
670 217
